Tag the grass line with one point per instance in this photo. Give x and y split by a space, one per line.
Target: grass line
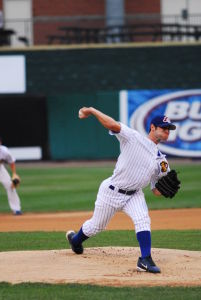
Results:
184 239
75 291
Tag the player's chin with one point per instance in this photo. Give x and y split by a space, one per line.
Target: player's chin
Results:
164 138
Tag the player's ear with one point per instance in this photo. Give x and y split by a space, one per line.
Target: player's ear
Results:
152 128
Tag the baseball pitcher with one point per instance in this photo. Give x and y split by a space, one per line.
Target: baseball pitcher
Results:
139 164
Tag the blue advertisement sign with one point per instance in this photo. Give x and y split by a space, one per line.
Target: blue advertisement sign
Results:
182 107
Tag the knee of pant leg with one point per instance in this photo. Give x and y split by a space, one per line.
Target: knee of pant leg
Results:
91 228
143 224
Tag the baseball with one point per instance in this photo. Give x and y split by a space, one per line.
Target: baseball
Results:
81 114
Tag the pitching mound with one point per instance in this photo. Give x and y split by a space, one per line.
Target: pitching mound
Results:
112 266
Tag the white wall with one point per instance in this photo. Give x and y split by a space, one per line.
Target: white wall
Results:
171 11
175 7
18 17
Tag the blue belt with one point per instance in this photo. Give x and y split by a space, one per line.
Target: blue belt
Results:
123 191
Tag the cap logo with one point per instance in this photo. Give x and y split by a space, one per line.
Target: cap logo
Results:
166 120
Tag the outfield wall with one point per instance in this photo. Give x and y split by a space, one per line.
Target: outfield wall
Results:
70 137
70 77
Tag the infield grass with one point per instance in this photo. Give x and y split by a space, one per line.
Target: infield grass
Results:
75 291
71 189
172 239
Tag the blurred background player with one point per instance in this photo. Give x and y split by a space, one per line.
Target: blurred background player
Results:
6 180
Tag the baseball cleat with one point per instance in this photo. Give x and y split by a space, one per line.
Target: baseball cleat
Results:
78 249
147 264
17 213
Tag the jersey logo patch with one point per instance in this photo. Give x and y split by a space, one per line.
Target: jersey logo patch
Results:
164 166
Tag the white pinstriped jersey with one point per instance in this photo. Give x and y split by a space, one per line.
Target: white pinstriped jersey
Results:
5 155
139 163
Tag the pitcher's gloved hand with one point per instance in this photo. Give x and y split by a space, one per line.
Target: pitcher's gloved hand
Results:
169 184
15 181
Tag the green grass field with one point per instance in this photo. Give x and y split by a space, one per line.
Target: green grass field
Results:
86 292
172 239
71 189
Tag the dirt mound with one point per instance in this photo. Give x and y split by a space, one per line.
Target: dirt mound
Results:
111 266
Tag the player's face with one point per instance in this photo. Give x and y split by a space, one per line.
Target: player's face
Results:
161 133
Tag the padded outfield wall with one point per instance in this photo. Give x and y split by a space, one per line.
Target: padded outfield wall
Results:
69 78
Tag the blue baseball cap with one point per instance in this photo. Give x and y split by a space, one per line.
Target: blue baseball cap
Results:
163 121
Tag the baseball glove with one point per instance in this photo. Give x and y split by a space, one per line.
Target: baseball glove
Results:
169 184
15 181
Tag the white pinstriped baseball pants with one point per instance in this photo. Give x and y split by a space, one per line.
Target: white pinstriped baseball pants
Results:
13 198
109 201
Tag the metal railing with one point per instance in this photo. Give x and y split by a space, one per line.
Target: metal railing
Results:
130 33
45 30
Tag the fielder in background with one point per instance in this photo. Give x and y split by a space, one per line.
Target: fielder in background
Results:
9 183
140 163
